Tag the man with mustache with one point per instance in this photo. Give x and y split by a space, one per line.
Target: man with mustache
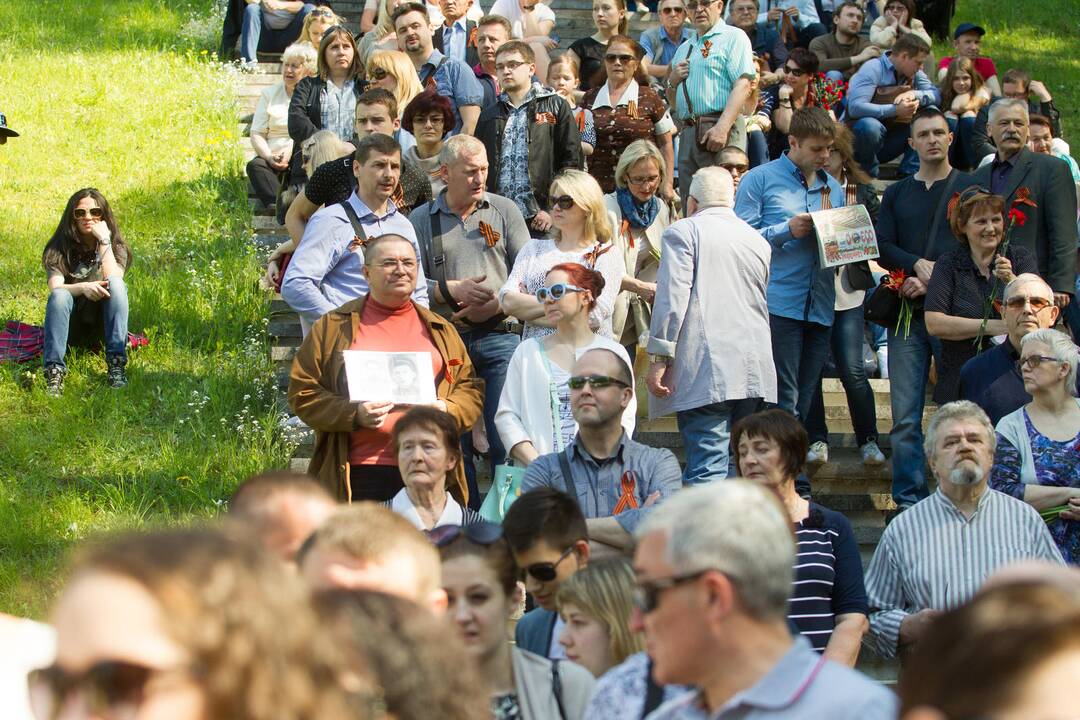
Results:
937 555
1050 226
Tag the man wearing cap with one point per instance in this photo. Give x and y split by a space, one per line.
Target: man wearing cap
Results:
5 131
966 40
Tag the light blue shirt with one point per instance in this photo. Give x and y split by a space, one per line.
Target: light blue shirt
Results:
453 79
325 274
668 46
881 73
454 38
769 196
717 61
807 12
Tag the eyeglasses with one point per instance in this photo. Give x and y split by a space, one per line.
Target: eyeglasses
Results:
797 72
735 168
429 120
510 65
1017 302
556 291
1033 361
378 73
481 533
390 265
639 181
596 382
111 689
563 202
672 11
647 593
618 58
546 572
96 213
692 5
322 12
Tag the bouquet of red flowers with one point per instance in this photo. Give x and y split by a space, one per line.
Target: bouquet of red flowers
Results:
894 282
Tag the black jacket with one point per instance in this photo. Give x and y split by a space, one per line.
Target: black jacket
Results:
553 146
472 53
305 116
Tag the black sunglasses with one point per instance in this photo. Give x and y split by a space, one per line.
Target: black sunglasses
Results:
597 382
565 202
647 593
95 212
106 688
378 73
481 533
616 57
797 72
322 12
546 572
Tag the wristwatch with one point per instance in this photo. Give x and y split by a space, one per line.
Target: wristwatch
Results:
666 360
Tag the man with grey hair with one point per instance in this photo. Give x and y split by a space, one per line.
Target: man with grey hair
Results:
936 555
469 239
1049 229
715 271
992 379
714 574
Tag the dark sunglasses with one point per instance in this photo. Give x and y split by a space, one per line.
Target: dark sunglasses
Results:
672 11
556 291
619 58
647 592
546 572
1017 303
970 193
96 213
564 202
797 72
1033 361
481 533
735 167
111 689
597 382
322 12
378 73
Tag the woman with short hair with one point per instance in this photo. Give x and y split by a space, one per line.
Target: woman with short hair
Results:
828 603
428 448
595 605
1038 445
967 280
429 118
481 584
85 261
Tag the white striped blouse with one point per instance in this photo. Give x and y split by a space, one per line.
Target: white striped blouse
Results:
931 556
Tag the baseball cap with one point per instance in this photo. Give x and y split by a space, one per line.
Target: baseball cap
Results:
4 129
964 28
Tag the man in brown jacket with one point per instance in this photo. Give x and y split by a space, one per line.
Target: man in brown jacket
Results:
354 457
841 52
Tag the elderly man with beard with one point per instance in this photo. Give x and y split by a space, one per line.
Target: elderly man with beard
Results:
937 554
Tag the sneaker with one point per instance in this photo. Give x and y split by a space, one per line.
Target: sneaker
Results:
54 379
818 454
117 378
883 362
871 454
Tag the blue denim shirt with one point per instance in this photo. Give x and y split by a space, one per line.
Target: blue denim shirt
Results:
769 196
455 80
881 73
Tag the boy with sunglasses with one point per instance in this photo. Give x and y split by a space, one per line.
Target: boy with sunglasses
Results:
614 478
549 540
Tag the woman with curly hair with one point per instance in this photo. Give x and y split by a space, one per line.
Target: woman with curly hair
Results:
85 261
192 625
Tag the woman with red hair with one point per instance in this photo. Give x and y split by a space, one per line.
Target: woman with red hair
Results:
534 416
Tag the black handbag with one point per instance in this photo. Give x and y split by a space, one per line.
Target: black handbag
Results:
859 275
882 307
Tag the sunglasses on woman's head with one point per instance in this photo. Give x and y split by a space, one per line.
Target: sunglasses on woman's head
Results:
112 689
556 291
546 572
563 202
481 533
322 12
96 213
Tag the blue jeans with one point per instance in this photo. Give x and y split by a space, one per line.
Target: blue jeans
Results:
490 353
847 350
799 353
909 367
71 320
255 35
757 148
706 435
874 143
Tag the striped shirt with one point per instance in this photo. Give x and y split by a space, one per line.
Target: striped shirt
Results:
931 556
717 61
828 575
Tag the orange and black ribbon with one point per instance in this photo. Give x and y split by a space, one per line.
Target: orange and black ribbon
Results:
705 48
357 243
398 196
490 235
471 42
625 230
627 500
631 109
593 255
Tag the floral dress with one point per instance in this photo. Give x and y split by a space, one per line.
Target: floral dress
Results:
1057 464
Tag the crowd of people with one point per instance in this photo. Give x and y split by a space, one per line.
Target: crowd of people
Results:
530 240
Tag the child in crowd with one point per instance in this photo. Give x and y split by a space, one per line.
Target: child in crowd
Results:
967 39
563 77
963 94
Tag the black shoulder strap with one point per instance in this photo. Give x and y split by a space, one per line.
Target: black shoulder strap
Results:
567 476
556 688
943 203
686 94
438 258
358 228
654 694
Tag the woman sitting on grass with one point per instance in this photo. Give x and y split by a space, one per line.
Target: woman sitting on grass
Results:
85 261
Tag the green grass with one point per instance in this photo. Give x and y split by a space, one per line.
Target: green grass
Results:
118 94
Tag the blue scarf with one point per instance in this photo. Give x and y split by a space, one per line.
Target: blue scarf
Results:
638 214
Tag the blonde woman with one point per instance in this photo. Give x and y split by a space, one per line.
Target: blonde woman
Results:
638 217
595 605
583 235
392 70
316 23
382 36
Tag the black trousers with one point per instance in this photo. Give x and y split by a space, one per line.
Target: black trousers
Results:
377 483
264 179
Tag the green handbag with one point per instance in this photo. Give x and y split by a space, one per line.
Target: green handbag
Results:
505 489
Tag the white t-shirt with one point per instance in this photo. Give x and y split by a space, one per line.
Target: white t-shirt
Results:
511 10
28 645
474 13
